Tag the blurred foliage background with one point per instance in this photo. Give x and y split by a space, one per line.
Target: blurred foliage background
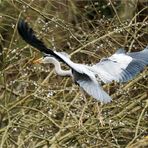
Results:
40 109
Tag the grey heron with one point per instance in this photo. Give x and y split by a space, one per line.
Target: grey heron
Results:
121 66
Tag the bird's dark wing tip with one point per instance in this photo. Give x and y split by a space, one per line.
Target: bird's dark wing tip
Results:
21 25
28 35
24 30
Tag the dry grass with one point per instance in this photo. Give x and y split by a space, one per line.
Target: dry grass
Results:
39 109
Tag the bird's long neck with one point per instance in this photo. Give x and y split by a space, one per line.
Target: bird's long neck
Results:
58 69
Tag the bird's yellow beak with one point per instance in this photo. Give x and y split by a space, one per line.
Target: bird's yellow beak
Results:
38 61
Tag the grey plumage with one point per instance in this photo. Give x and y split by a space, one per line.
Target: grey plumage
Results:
121 66
141 55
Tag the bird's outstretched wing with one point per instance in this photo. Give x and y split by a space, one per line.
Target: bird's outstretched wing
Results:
121 66
92 87
28 35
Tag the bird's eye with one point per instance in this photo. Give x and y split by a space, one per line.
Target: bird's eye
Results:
46 55
96 76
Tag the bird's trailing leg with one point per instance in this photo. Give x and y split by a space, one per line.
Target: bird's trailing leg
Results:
83 110
98 110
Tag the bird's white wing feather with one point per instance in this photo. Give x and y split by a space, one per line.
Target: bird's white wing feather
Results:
65 54
92 87
119 67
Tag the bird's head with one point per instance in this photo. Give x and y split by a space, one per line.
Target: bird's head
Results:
44 60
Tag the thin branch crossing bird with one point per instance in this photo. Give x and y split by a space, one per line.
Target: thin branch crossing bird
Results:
120 67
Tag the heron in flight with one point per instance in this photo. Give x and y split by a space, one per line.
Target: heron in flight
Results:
120 67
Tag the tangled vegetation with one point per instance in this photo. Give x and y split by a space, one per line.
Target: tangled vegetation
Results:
39 109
